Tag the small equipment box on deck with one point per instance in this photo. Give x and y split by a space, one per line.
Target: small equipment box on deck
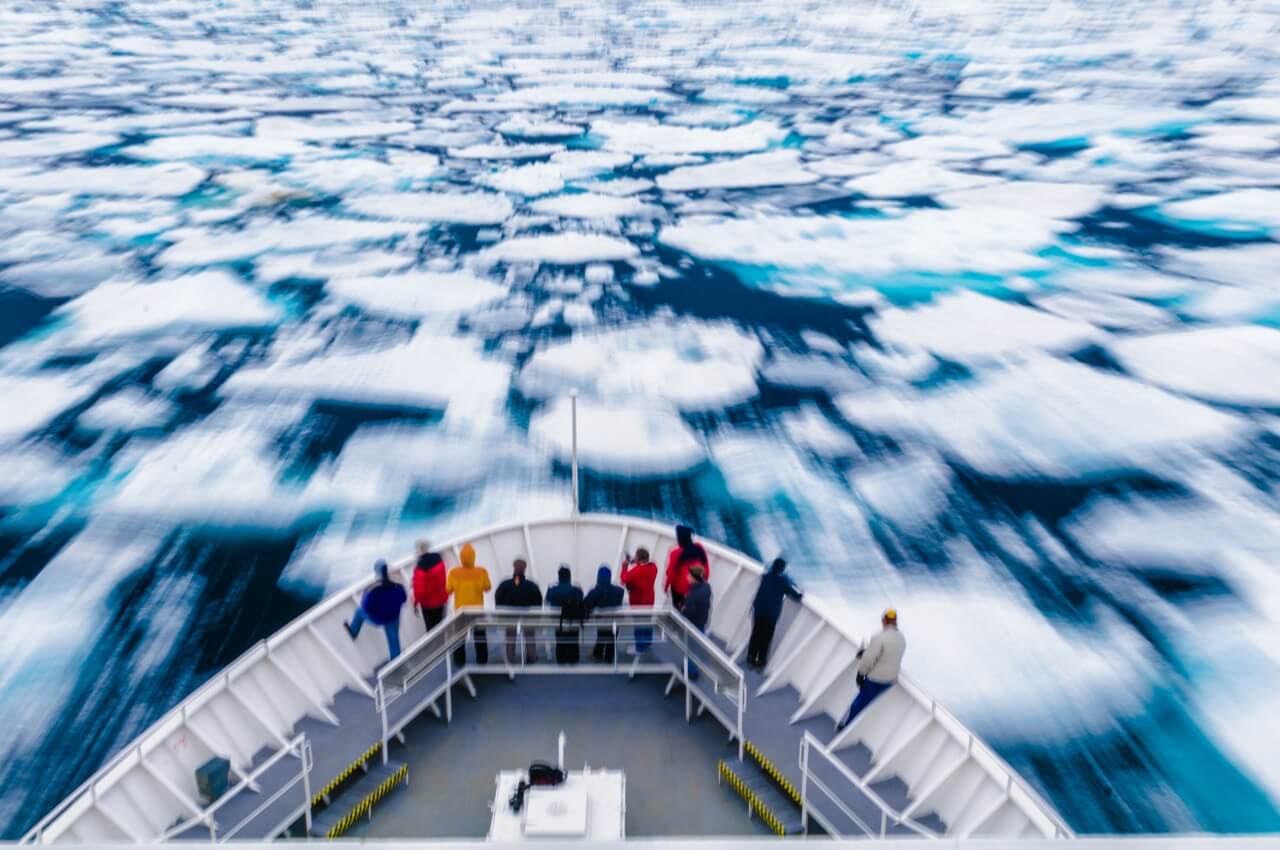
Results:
212 778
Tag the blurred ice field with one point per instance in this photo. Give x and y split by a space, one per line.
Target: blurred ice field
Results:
969 308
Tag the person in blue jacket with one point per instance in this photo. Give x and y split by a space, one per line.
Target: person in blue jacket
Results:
766 609
566 596
605 595
381 606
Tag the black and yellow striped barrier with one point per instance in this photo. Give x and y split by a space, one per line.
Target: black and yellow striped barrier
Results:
770 768
756 804
346 772
367 802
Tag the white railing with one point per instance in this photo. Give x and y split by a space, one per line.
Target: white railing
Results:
436 648
299 748
810 745
581 539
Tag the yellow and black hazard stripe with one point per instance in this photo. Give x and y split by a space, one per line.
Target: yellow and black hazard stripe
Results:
367 803
770 768
346 772
757 806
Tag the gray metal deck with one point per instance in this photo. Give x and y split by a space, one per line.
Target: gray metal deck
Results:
609 721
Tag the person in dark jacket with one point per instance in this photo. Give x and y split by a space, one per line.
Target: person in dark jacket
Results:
429 592
605 596
766 609
519 592
697 605
381 606
567 597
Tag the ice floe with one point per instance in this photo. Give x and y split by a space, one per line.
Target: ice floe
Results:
782 168
452 207
31 401
1230 211
199 301
615 438
592 205
164 180
908 491
905 179
429 371
1049 419
1233 364
689 364
128 410
417 294
982 239
1104 310
561 249
648 138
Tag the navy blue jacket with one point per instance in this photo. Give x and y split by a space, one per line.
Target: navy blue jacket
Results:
773 587
383 601
564 593
697 605
605 594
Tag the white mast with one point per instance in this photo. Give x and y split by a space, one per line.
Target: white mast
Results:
573 411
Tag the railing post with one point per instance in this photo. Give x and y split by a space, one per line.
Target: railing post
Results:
306 783
804 784
884 823
382 710
448 688
615 646
688 691
742 710
524 659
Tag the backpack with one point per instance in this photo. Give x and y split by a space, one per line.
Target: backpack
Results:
573 612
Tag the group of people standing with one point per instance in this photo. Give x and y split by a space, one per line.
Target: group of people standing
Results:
686 581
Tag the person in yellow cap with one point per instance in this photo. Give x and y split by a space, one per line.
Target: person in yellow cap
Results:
468 584
878 665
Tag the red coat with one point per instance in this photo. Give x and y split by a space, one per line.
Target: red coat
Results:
429 587
678 574
639 580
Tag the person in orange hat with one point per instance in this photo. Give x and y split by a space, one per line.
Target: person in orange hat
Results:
468 584
878 665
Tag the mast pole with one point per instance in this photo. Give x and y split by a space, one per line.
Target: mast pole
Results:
573 408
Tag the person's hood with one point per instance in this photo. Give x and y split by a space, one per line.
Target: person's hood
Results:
563 576
468 555
777 566
684 535
604 576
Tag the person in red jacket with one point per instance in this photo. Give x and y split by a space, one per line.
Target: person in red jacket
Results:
684 555
429 592
638 577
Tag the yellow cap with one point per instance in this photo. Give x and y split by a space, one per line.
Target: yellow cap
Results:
891 614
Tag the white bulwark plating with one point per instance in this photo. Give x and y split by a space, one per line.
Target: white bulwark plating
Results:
251 712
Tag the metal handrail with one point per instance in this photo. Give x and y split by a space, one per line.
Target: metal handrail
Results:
297 747
887 812
519 618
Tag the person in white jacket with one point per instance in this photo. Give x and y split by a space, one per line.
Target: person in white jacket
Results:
878 665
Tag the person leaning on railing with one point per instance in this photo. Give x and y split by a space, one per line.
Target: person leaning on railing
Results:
878 665
468 584
430 593
638 576
519 592
605 596
679 561
766 609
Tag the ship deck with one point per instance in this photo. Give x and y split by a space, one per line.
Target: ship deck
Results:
609 721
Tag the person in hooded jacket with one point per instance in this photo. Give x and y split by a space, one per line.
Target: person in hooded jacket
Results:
519 592
605 596
567 597
638 577
775 586
468 584
430 594
685 554
381 606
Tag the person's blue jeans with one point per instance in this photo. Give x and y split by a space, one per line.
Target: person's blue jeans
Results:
644 638
866 695
392 630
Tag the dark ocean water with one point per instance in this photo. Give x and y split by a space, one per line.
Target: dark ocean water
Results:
970 309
